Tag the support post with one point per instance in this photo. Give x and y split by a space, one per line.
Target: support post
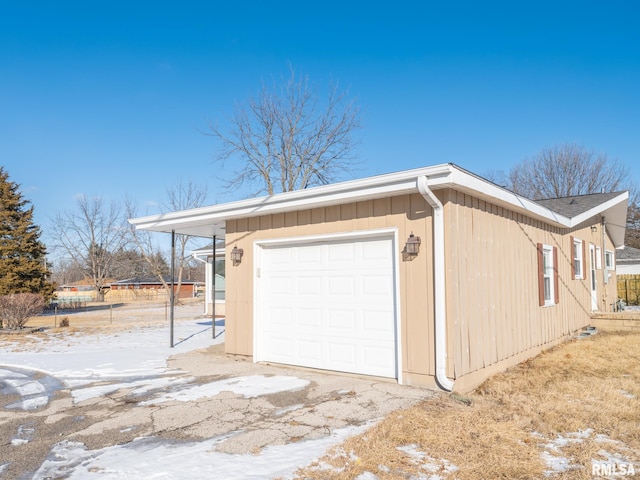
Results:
213 291
172 293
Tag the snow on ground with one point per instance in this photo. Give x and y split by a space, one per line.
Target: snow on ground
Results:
249 387
154 458
557 463
138 359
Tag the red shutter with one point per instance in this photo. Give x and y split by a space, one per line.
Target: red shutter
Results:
540 276
573 264
556 289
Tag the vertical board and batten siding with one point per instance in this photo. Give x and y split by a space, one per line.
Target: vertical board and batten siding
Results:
493 315
407 213
492 283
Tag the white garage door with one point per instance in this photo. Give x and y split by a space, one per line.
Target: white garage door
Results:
328 305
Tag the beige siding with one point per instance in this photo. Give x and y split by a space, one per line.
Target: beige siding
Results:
408 214
492 284
493 316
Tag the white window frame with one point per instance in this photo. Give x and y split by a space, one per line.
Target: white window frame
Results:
598 257
578 256
548 270
609 260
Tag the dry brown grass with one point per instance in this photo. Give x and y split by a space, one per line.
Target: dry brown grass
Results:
580 385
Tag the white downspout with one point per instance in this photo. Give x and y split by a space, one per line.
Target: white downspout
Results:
439 293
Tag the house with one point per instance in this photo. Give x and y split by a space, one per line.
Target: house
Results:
432 277
82 291
149 288
628 261
205 254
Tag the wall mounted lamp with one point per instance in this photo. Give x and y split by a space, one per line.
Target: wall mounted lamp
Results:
236 255
594 228
412 247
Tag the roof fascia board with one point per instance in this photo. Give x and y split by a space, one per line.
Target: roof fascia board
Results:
355 190
473 185
398 183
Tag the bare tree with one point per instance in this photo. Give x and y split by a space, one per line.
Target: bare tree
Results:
565 170
89 235
286 139
569 169
183 196
66 271
147 247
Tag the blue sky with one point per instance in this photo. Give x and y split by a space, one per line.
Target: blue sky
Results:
111 98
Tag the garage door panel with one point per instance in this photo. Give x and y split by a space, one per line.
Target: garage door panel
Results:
376 324
341 252
341 321
329 305
376 251
375 357
281 318
309 351
280 285
311 255
341 285
280 349
376 285
308 319
307 285
341 356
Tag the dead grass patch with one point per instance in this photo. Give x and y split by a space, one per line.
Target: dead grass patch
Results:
572 402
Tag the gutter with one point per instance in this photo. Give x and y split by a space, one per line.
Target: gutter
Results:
439 283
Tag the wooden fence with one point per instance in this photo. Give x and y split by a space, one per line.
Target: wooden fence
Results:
629 289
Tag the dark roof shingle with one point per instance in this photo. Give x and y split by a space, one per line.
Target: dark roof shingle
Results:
577 204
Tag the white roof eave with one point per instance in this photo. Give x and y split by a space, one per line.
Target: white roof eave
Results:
209 221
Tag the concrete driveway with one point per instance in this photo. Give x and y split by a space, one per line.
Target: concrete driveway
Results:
314 405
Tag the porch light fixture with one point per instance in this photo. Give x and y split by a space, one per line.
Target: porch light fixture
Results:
594 228
236 255
412 247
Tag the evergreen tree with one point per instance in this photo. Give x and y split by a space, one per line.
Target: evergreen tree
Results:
23 266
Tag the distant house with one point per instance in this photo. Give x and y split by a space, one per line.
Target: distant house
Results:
81 291
433 276
149 288
628 261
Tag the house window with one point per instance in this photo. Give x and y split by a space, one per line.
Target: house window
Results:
598 258
548 293
609 260
577 264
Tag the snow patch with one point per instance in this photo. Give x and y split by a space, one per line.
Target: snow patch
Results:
249 387
158 458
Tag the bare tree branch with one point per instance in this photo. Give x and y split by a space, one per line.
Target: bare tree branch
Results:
183 196
565 170
89 235
285 139
568 169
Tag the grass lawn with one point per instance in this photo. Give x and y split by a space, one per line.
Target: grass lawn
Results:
553 416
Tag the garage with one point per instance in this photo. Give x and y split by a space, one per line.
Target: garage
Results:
328 304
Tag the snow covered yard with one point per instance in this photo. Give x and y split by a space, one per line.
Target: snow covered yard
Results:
110 404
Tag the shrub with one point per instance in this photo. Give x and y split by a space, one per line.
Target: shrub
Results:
17 308
64 322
